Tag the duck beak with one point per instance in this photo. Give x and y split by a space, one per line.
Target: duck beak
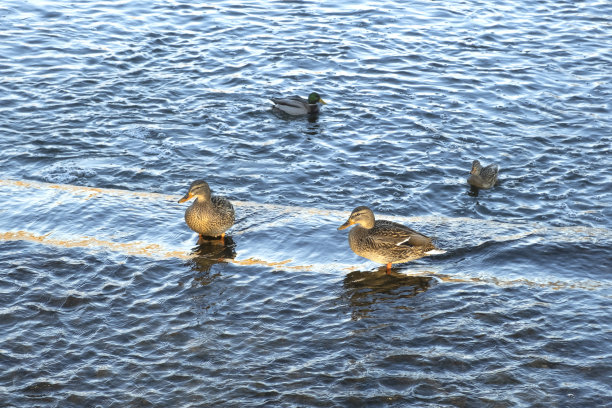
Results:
186 197
322 101
345 225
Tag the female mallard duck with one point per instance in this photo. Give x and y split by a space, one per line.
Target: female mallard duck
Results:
482 177
384 241
209 215
296 105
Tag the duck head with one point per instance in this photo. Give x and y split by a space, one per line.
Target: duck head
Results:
199 189
361 215
476 168
314 98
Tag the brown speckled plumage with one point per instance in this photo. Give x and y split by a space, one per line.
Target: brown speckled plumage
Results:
384 241
483 177
209 215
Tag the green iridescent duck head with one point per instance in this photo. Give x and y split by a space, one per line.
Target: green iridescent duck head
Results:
314 98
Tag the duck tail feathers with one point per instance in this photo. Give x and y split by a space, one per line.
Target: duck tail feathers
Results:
435 252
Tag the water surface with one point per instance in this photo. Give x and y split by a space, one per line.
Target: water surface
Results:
108 110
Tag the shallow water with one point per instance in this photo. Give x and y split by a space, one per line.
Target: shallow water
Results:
108 110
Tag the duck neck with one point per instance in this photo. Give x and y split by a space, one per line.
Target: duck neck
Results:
367 224
203 200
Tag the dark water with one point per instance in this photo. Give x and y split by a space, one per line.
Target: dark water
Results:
108 110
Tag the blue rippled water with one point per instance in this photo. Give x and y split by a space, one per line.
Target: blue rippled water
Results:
109 109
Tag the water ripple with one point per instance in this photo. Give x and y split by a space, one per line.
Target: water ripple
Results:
105 302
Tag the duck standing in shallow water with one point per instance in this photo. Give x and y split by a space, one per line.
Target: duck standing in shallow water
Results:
209 216
296 105
386 242
482 178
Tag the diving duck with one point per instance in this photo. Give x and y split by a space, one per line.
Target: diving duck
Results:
209 216
482 177
384 241
296 105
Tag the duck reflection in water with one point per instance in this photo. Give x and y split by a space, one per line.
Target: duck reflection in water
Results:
364 288
208 254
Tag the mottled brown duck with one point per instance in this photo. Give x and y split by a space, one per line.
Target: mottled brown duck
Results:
209 216
386 242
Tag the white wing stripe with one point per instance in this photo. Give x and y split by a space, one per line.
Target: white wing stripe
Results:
403 242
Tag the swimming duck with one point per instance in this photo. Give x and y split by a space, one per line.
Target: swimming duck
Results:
296 105
482 177
209 215
386 242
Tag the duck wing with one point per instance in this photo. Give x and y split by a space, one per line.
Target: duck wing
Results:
221 203
489 173
292 101
387 233
293 105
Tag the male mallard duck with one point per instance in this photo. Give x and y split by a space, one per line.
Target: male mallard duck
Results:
384 241
209 215
482 177
296 105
